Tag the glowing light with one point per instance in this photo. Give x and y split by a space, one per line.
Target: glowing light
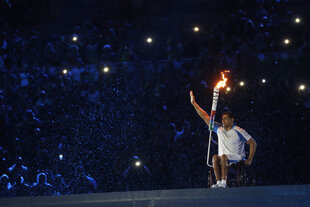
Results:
302 87
297 20
138 163
61 156
106 69
222 83
228 89
65 71
263 80
149 40
74 38
196 29
286 41
241 83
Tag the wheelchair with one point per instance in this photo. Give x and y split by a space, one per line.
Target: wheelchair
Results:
238 175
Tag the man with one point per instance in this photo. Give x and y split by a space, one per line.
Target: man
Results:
231 140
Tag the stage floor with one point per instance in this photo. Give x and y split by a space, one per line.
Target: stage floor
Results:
292 195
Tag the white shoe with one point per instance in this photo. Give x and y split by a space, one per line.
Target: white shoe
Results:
215 186
220 185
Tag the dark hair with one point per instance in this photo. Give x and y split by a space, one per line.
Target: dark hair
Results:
230 114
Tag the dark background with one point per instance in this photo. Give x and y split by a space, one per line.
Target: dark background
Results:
99 121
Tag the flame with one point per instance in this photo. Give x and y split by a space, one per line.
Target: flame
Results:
222 83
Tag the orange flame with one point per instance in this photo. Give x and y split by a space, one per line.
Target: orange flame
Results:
222 83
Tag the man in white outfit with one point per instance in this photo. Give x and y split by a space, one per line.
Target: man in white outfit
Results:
231 139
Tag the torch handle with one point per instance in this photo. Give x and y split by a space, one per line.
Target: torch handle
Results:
208 155
216 93
212 117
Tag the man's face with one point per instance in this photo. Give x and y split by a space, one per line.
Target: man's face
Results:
226 121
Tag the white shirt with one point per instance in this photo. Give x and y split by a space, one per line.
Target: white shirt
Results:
231 142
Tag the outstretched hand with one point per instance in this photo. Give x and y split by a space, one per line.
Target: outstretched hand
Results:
192 97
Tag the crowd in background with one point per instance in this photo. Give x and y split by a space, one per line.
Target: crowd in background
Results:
82 130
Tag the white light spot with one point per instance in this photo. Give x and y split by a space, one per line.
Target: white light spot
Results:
149 40
287 41
74 38
302 87
196 29
106 69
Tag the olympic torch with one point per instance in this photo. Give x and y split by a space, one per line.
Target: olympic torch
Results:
216 93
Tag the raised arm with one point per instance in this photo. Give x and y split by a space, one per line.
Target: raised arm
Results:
199 110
